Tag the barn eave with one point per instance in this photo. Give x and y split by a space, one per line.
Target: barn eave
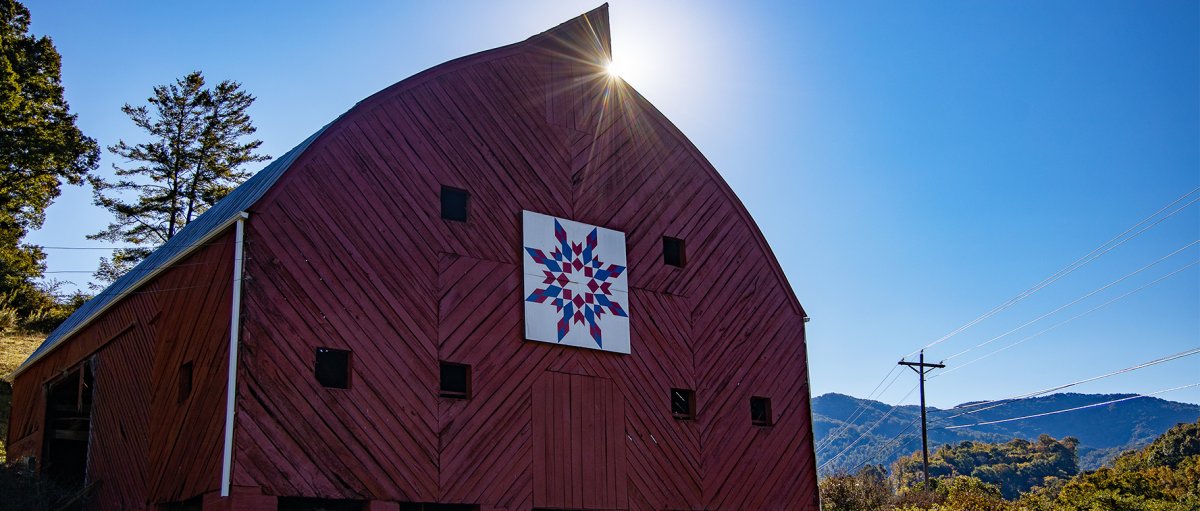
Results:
193 236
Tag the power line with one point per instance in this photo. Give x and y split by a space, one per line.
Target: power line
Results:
868 431
1093 405
1013 399
1073 302
1073 318
862 408
1108 246
887 449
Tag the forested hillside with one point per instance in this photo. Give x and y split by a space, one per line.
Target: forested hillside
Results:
1102 432
1028 476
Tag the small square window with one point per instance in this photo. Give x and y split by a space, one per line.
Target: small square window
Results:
454 204
333 368
683 404
185 382
760 411
673 254
456 381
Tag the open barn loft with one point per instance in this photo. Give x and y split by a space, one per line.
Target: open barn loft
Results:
505 283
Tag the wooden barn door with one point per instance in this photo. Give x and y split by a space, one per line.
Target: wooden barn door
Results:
578 443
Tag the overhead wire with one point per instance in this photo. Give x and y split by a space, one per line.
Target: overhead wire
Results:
886 450
1012 399
1073 409
1066 321
868 431
1073 302
1104 248
862 408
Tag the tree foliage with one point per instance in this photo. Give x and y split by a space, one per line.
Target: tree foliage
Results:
866 490
1163 476
1014 467
193 159
40 148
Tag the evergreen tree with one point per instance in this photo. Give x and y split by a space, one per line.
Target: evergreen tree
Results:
194 158
40 147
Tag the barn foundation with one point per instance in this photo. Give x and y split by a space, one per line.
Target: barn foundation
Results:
240 498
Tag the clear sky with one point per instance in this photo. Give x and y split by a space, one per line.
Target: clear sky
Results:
913 164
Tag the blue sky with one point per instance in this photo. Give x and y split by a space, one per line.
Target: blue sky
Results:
913 164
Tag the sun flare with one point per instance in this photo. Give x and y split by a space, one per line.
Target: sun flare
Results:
612 68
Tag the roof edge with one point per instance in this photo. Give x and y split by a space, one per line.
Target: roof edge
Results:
119 298
227 211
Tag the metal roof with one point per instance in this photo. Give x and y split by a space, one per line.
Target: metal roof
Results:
192 236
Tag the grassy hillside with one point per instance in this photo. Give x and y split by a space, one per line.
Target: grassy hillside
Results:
14 349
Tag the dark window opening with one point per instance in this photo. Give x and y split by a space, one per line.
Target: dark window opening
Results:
333 368
456 381
454 204
673 251
683 404
760 411
185 381
314 504
68 427
416 506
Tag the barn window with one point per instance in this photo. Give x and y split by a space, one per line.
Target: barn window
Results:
333 368
683 404
185 381
454 204
673 254
760 411
456 380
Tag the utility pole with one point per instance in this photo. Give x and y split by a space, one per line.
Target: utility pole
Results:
921 368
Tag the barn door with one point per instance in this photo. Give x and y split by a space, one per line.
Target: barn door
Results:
578 443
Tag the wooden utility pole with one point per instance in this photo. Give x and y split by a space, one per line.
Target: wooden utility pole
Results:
921 368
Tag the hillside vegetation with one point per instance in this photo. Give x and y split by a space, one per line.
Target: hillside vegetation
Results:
1014 467
1028 476
14 349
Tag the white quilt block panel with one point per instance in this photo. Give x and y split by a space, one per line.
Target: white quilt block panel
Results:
576 284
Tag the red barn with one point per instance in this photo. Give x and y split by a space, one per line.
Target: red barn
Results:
505 283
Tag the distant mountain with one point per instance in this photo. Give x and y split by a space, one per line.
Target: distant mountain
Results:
1103 431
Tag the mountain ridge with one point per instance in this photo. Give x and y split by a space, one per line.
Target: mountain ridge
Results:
1103 431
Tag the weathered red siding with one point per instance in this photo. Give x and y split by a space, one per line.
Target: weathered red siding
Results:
348 251
145 446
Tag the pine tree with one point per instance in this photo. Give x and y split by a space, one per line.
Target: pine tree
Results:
195 158
40 147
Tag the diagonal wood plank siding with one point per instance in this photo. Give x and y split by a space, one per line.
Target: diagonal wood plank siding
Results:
146 444
348 251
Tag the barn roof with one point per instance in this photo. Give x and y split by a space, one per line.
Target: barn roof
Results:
227 210
585 37
193 235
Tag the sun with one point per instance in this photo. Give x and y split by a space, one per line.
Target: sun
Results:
613 69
